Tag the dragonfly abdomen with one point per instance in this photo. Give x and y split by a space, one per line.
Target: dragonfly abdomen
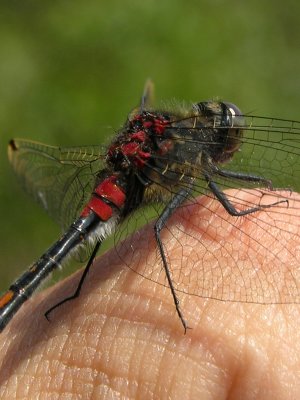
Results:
106 196
97 221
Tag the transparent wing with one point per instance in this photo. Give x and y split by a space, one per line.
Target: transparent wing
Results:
270 148
59 179
211 254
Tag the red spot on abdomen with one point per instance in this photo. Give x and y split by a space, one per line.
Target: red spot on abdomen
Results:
108 189
99 207
111 191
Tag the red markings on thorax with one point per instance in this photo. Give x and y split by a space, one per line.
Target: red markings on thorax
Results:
133 152
135 145
133 149
157 124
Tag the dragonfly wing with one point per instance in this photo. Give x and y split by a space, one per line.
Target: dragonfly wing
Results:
271 149
59 179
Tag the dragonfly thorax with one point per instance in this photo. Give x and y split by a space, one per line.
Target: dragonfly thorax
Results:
135 144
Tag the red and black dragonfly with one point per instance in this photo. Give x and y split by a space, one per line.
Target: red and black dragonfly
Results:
164 157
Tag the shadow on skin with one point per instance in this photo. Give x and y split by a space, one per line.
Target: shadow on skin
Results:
123 337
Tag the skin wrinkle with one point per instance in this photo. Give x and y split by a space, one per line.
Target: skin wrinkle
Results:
229 366
148 344
109 367
143 374
67 365
63 364
191 360
165 355
126 351
140 302
249 358
114 376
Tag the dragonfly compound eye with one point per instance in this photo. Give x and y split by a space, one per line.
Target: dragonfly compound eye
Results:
233 117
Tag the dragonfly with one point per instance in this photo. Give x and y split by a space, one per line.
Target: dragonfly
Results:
165 158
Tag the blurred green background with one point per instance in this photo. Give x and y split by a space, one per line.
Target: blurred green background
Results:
70 71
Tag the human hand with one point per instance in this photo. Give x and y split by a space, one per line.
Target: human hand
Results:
122 338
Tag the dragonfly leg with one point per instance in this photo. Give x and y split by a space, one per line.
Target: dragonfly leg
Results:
80 284
176 201
244 177
229 207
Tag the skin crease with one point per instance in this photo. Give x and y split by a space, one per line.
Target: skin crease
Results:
123 339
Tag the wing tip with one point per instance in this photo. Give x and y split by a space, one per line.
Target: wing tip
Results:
12 148
148 95
12 145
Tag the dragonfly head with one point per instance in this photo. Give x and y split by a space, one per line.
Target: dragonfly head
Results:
227 122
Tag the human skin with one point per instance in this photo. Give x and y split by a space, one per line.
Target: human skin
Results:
122 337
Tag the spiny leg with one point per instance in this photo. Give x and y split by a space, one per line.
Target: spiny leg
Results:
243 177
80 284
221 196
176 201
